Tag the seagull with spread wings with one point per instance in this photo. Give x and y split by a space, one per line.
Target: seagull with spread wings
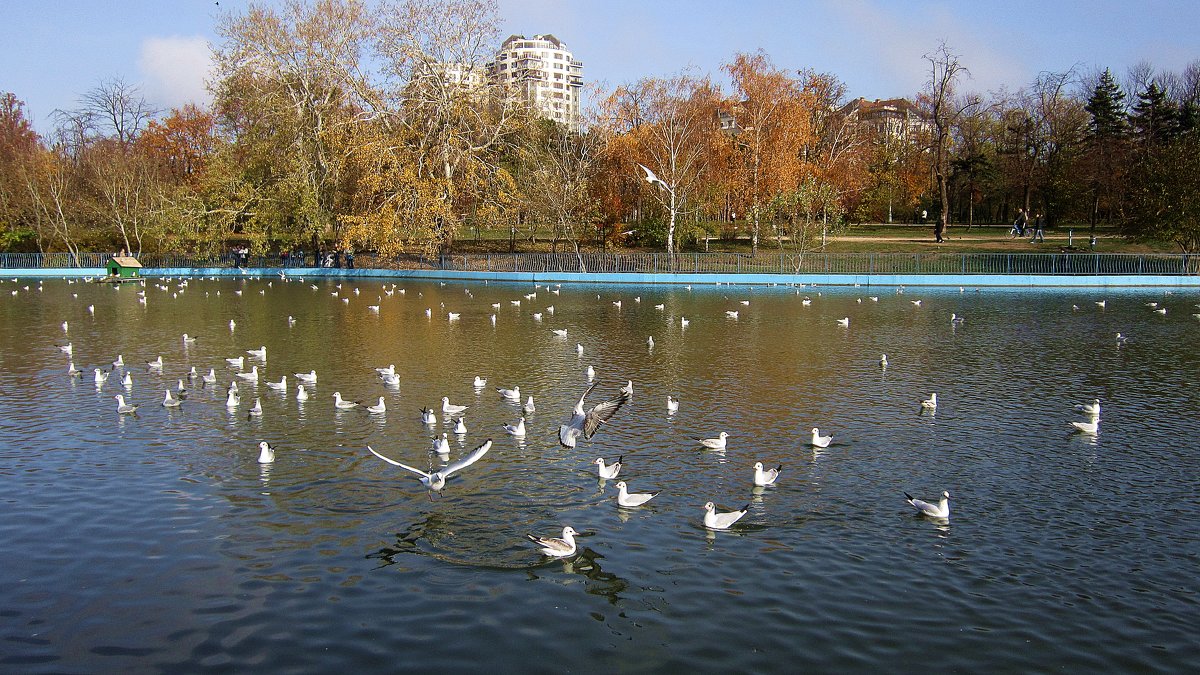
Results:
436 480
586 423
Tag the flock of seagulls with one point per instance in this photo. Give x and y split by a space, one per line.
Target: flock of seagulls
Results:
583 422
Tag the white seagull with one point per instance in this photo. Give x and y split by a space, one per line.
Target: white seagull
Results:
170 401
123 407
930 403
450 409
554 547
256 411
239 362
1087 427
883 362
672 405
820 441
441 445
260 353
342 404
765 477
460 427
939 510
517 429
251 376
479 382
607 471
436 480
1092 408
301 393
844 322
211 377
513 394
528 407
233 400
427 416
378 408
630 500
266 453
281 385
586 423
717 443
309 377
156 364
722 521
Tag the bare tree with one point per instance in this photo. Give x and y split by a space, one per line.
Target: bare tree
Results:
943 110
119 108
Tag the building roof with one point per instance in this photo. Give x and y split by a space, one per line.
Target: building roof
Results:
126 261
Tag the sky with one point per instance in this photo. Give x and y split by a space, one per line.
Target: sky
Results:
54 51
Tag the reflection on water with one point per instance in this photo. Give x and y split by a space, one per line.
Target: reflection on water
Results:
181 552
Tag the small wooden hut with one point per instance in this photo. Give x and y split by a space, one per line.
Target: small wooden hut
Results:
123 267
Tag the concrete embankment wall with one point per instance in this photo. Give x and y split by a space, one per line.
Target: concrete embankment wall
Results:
972 280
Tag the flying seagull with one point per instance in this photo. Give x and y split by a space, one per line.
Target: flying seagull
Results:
436 480
587 423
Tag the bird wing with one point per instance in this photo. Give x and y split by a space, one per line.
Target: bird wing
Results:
470 459
602 412
567 433
395 463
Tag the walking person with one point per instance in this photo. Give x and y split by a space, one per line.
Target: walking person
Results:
1039 225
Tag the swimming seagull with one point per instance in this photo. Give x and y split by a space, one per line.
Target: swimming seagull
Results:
301 393
930 403
513 394
956 320
717 443
310 377
378 408
266 453
1092 408
722 521
211 377
767 477
128 381
256 411
441 445
436 480
1122 339
1087 427
239 362
260 353
560 332
587 423
101 376
450 409
188 340
672 405
341 404
591 373
606 471
939 510
479 382
427 416
517 429
460 427
119 362
1101 304
233 400
844 322
251 376
883 362
123 407
820 441
170 401
281 385
554 547
630 500
528 407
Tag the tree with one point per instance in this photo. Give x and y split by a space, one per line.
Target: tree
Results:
1154 118
557 167
942 110
1163 203
118 108
1106 145
19 145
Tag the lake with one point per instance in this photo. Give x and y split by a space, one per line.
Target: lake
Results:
156 541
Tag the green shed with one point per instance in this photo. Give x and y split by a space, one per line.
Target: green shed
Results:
124 267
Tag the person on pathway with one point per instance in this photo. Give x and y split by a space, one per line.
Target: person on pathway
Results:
1039 224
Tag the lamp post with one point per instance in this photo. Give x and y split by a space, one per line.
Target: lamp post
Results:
655 180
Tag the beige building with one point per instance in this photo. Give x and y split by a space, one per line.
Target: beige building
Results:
894 118
543 72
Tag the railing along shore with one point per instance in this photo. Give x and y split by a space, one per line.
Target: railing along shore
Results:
935 263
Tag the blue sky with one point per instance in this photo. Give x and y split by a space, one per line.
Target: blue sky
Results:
55 50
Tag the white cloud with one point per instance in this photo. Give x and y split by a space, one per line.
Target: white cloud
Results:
174 70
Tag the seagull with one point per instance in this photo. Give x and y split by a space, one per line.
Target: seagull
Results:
232 400
128 381
123 407
211 377
607 471
683 322
660 307
578 348
591 373
587 423
256 411
251 376
101 376
188 340
939 510
560 332
630 500
260 353
450 409
65 326
513 394
181 389
820 441
170 401
119 363
672 405
554 547
956 320
717 443
883 362
517 429
767 477
72 370
427 416
309 377
239 362
1101 304
1087 427
844 322
529 408
628 389
916 303
722 521
460 427
266 453
378 408
66 349
930 403
453 316
341 404
281 385
480 382
441 445
732 314
1122 339
390 380
232 325
650 342
436 480
653 179
301 393
1092 408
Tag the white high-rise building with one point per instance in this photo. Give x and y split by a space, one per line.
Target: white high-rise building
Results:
544 73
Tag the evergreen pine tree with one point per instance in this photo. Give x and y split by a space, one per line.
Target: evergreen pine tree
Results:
1155 117
1107 107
